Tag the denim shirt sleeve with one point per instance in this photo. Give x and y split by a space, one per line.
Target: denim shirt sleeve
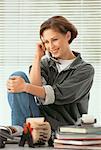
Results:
73 87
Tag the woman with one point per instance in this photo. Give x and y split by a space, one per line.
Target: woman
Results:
59 84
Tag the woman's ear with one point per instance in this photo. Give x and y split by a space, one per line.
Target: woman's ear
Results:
68 36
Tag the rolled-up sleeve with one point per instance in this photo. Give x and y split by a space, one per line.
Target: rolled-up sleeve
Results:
50 97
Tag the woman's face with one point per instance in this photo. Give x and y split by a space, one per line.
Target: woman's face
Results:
56 43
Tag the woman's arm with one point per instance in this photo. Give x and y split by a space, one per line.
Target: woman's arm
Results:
16 84
35 73
75 87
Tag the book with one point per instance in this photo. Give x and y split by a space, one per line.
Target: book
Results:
81 129
78 147
78 142
11 132
78 136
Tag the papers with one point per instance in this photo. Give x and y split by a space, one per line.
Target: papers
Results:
10 132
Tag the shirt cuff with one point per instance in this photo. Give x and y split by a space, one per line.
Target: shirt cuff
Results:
50 97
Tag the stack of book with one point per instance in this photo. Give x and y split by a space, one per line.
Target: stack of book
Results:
78 137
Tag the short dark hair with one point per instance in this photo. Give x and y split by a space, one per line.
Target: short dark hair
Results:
60 24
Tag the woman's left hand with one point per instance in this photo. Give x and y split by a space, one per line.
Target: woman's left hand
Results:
16 84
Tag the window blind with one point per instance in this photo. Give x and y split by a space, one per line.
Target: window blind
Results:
19 31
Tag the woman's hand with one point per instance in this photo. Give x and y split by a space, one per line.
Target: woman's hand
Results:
46 131
41 132
16 84
40 50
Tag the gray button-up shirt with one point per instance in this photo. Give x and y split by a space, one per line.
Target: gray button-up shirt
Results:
71 89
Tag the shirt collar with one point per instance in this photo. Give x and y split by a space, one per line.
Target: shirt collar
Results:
73 65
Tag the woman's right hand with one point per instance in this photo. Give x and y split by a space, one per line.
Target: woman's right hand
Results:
41 132
40 50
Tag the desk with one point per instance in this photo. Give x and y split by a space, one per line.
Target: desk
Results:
16 147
